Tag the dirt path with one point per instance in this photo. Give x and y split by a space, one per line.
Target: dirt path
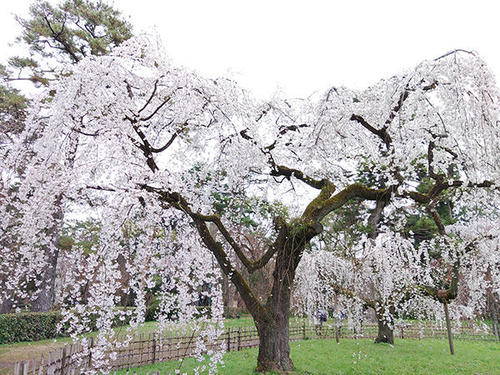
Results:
10 354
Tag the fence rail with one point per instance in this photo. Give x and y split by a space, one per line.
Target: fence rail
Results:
71 359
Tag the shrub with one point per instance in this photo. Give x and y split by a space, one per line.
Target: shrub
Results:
35 326
28 326
154 308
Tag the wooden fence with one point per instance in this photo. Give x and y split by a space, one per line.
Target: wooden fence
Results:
150 349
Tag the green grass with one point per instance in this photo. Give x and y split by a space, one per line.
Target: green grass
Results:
408 356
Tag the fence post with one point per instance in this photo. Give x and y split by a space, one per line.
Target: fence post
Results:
239 338
154 349
229 340
63 360
303 330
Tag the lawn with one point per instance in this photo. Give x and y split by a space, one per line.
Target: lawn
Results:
318 357
429 356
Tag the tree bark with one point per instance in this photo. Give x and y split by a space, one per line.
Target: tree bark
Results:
385 331
6 306
45 297
274 347
274 335
494 314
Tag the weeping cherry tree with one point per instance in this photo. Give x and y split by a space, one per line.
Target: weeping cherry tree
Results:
131 137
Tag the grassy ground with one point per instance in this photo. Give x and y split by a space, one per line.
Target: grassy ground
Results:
321 357
479 354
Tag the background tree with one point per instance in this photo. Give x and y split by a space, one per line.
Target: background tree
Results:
380 276
55 36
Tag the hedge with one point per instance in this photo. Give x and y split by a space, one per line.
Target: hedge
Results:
35 326
28 326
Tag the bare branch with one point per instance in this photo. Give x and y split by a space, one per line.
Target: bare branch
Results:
167 145
281 170
150 98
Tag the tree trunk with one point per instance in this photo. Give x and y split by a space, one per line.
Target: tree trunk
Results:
385 330
274 347
274 335
45 297
494 315
271 318
6 306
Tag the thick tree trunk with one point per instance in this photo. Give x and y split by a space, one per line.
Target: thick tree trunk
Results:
385 331
271 318
274 347
274 335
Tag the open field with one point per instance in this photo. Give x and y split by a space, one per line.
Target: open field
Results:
326 357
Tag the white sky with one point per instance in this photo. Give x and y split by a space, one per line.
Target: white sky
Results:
305 46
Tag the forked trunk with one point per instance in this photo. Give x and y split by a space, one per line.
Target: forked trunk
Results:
385 331
271 318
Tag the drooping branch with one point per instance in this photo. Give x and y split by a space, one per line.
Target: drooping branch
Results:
166 145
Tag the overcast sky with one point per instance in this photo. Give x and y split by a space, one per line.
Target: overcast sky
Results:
305 46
